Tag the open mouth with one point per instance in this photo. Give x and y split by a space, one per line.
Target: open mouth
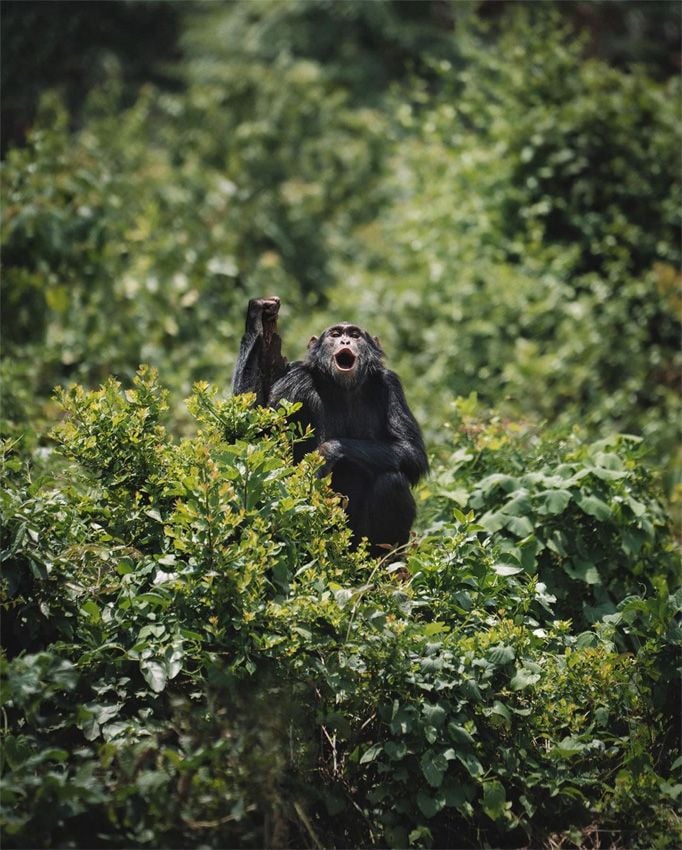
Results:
345 359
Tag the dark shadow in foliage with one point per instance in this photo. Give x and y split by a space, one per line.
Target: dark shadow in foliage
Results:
623 32
362 46
74 46
620 32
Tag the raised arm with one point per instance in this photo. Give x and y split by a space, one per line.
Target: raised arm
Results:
260 362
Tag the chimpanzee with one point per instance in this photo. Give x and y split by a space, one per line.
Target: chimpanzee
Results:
362 425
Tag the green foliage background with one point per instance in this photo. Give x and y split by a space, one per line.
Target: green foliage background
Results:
192 656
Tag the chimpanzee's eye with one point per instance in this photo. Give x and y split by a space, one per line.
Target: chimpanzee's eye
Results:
355 334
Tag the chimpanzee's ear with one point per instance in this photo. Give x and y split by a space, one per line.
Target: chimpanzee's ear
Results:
311 342
378 344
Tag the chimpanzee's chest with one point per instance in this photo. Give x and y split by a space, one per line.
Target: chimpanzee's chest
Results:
357 416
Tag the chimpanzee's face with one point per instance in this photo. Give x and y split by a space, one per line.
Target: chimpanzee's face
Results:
345 352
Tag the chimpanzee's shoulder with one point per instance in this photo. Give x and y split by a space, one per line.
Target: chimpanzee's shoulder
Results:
391 379
295 382
299 370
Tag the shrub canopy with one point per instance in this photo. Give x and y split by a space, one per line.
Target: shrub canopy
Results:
192 656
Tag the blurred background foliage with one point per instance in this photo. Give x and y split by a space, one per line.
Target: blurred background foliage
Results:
494 189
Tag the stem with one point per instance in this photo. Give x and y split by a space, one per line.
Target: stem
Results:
209 519
246 484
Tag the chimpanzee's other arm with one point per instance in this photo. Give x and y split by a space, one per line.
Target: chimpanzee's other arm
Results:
296 385
403 452
260 362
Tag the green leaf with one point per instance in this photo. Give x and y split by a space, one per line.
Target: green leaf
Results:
471 763
501 654
521 526
458 794
518 506
435 628
582 571
524 678
493 521
87 722
167 560
608 466
507 569
17 749
433 765
556 541
568 747
498 480
55 754
154 673
92 611
419 837
552 502
395 750
499 709
594 507
587 639
673 791
632 540
429 805
637 508
371 753
608 460
459 735
494 799
173 658
434 714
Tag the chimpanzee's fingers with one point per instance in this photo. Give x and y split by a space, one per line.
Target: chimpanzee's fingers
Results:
267 307
324 471
270 308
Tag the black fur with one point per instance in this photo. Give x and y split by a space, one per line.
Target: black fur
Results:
362 425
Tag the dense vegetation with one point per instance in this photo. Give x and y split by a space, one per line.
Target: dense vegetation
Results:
192 656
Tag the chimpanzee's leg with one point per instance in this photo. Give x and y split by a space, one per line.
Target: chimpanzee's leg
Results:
390 511
380 506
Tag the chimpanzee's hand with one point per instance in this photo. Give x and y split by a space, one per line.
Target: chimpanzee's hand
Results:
261 312
331 452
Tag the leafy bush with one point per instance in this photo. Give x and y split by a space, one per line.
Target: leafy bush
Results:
191 654
583 517
364 47
211 664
